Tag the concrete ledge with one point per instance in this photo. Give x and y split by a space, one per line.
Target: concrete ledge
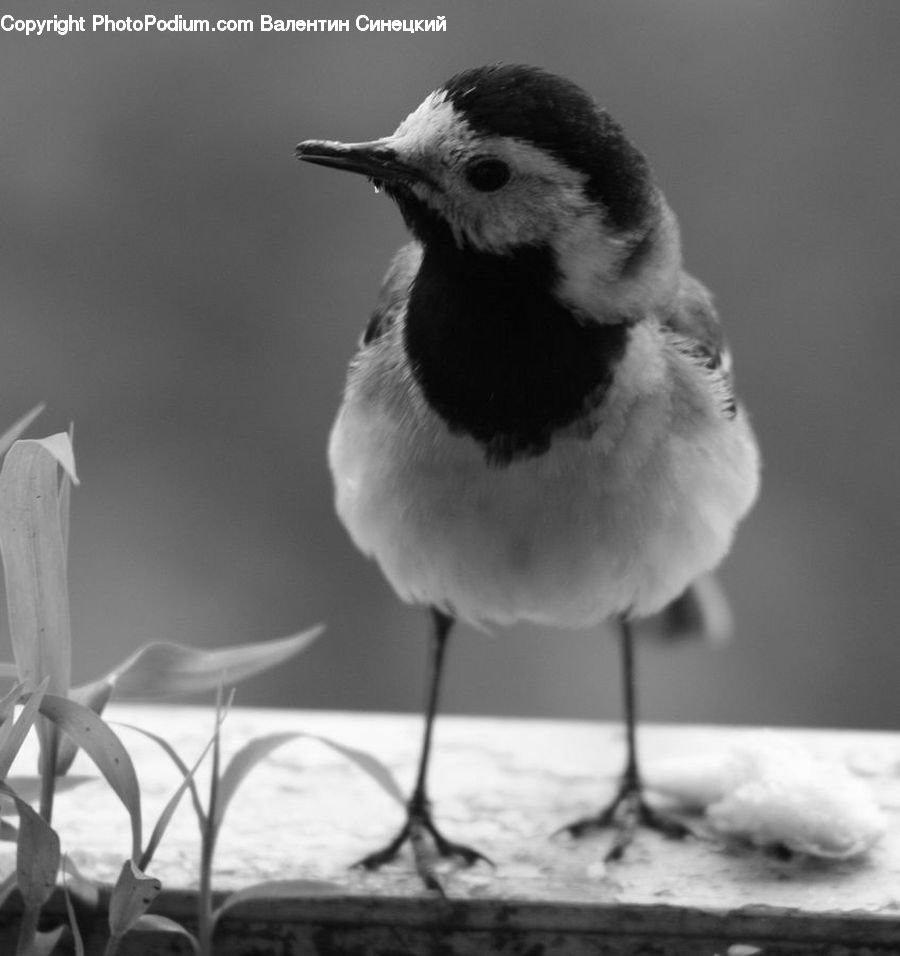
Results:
503 786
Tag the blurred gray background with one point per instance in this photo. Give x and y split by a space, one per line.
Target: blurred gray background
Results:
175 283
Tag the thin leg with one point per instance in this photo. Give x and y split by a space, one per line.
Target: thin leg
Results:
419 821
628 810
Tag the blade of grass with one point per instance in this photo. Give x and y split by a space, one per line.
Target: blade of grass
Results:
70 911
65 494
208 832
240 765
161 670
370 765
153 923
131 897
34 562
68 749
6 887
37 863
28 788
187 781
12 433
100 743
44 944
279 890
14 734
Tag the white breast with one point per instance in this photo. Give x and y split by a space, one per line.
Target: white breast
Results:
622 521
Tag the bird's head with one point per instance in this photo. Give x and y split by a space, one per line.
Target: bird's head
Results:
504 158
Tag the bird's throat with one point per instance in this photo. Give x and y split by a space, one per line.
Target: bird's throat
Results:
497 356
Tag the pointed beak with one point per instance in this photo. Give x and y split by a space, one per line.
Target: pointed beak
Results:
377 160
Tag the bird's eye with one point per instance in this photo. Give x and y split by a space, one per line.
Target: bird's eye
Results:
488 175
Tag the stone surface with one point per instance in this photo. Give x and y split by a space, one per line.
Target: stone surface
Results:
503 786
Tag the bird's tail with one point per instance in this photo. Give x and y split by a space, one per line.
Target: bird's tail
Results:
701 612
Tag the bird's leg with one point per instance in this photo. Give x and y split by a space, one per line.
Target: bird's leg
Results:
419 822
628 809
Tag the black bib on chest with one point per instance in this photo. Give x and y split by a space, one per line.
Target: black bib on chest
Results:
497 356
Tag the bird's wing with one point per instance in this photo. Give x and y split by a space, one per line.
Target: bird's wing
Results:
394 292
696 332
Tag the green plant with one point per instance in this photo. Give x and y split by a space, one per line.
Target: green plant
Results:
35 491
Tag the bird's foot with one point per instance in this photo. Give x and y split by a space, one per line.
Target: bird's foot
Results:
417 830
627 811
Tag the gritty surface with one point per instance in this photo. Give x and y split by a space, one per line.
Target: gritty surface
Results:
503 786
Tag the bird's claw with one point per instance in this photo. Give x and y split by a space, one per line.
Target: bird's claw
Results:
419 825
626 813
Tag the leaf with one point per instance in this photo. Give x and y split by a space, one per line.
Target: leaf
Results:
29 788
182 766
370 765
84 890
65 494
131 897
95 701
280 890
13 735
100 743
11 434
37 854
240 765
162 670
152 923
34 563
70 911
169 809
7 886
44 944
187 782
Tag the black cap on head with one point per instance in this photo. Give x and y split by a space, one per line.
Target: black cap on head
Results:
557 115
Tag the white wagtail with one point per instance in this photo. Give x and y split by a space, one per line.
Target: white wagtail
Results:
539 424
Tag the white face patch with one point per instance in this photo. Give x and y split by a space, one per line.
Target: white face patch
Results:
541 199
543 203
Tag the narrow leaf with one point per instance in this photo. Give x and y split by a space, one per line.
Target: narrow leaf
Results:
37 854
131 897
34 562
8 833
95 701
152 923
161 670
11 434
100 743
65 495
280 890
7 713
11 698
186 773
370 765
29 788
70 912
169 809
15 735
44 944
7 886
241 764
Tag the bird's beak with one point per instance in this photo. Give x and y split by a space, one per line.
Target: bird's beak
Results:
377 160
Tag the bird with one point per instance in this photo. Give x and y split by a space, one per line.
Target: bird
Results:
540 423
